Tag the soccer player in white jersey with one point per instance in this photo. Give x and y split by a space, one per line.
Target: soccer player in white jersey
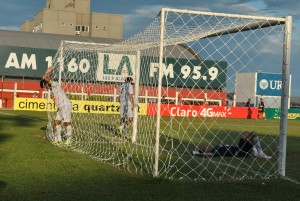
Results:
63 104
126 103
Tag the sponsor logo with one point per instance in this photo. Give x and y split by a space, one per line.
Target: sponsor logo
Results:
37 104
263 84
274 84
115 67
195 111
269 84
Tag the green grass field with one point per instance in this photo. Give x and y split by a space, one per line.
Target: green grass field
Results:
34 169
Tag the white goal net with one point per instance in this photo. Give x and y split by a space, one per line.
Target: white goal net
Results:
193 73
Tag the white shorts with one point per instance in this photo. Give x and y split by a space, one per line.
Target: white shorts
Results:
126 110
64 113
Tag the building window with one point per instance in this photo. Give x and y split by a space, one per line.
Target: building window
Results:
77 28
85 28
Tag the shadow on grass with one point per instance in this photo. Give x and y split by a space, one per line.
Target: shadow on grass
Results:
3 185
4 137
44 130
111 129
17 121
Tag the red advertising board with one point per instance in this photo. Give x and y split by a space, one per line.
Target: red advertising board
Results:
203 111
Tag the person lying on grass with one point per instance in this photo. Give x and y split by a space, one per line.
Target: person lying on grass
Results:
248 145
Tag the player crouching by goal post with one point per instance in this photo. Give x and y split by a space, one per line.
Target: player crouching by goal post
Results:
63 104
248 145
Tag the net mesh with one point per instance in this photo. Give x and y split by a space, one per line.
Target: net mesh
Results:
205 58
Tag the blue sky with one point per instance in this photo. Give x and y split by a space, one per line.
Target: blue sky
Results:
138 13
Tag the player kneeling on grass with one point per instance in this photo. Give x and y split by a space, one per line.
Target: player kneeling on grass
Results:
63 104
248 145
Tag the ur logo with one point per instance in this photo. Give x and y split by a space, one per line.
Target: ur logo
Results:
263 84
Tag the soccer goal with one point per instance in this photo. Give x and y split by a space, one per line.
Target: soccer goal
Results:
193 74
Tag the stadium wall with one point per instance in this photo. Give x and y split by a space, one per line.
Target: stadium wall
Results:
25 57
98 107
12 89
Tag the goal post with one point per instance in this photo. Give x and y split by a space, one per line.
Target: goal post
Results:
193 73
159 89
136 97
285 95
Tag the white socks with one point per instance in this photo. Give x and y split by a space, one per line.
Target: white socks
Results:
256 145
254 151
257 150
69 133
58 132
123 126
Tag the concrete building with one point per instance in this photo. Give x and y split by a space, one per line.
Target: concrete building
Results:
70 17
